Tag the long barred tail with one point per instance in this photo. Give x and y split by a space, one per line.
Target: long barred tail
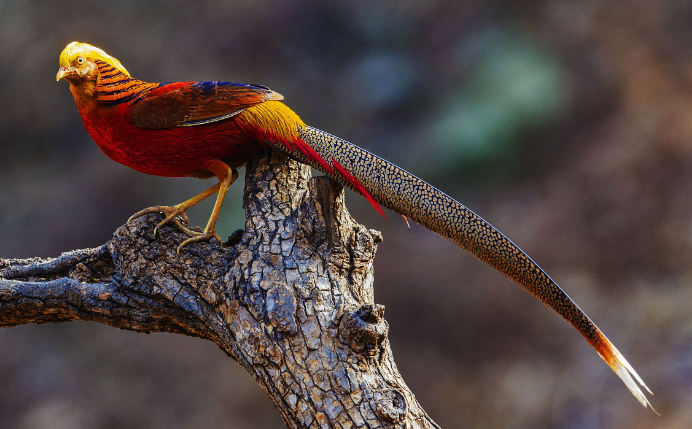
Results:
408 195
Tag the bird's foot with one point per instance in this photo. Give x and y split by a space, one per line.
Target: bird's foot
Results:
200 236
175 214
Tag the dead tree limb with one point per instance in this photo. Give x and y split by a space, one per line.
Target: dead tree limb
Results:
290 298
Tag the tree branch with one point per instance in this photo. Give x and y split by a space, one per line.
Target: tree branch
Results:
290 298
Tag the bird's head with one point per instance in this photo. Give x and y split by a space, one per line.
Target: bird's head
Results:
78 63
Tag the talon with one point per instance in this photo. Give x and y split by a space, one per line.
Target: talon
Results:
171 214
201 237
183 228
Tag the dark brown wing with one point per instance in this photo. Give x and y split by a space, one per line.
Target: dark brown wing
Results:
196 103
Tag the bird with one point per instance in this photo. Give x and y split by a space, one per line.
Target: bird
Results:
210 129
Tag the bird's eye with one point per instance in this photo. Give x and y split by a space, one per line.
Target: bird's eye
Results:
80 60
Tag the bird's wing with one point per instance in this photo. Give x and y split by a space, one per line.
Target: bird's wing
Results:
196 103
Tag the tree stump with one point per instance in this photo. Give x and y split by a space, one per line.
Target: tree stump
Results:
290 298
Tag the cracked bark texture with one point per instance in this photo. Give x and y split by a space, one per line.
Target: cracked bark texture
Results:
290 298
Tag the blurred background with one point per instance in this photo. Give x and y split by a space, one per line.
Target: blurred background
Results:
567 125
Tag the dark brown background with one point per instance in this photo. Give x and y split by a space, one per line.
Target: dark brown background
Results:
568 125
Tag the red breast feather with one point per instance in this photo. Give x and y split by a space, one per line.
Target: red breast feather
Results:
171 152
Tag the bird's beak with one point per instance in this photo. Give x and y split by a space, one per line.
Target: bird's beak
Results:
61 73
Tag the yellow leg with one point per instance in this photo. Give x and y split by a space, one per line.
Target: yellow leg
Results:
172 213
210 231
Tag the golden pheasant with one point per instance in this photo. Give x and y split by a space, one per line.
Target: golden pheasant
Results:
206 129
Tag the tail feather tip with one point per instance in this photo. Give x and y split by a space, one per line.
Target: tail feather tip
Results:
628 376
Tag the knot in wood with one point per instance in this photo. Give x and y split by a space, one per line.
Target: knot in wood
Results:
281 308
376 236
391 406
364 329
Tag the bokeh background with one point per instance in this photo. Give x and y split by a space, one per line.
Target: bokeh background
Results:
568 125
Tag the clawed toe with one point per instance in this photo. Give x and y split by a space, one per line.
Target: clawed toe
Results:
174 214
198 236
180 226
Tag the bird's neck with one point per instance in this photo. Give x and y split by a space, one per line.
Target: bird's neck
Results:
114 86
84 94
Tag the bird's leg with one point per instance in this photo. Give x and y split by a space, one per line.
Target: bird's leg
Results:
227 176
172 213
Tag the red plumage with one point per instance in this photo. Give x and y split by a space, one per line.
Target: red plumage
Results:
171 152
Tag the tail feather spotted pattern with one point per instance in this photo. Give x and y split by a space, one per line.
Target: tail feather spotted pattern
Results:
410 196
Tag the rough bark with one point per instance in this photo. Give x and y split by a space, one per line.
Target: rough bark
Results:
290 298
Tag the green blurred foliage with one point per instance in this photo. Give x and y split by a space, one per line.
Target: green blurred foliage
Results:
514 87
